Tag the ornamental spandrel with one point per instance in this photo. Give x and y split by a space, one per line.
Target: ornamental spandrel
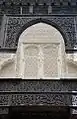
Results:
61 14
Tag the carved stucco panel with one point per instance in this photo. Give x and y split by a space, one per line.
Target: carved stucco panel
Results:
15 25
4 100
34 99
74 103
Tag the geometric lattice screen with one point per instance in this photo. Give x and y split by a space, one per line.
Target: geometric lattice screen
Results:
41 60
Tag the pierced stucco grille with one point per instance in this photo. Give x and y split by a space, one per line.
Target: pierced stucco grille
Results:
41 60
51 60
31 61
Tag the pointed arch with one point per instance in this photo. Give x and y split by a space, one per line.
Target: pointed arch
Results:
41 50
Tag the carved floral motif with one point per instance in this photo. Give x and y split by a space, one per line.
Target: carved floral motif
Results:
15 24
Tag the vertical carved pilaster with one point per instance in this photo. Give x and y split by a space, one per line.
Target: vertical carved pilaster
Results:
49 9
21 10
75 24
31 9
3 30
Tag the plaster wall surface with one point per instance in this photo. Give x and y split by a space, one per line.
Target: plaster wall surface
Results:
40 54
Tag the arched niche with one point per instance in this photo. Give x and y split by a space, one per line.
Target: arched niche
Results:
40 52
